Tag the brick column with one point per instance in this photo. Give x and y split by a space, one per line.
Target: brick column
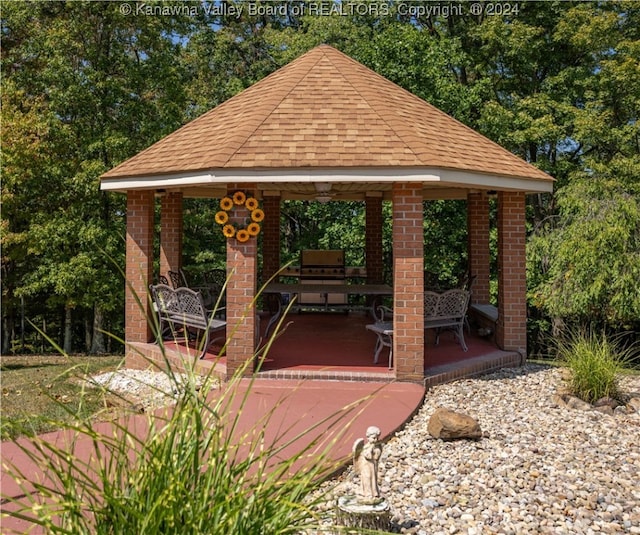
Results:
171 233
373 240
478 236
139 268
511 330
241 289
408 283
270 237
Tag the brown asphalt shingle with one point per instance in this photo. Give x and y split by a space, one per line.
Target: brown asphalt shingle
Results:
324 110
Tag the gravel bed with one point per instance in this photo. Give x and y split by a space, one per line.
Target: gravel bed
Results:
539 468
144 389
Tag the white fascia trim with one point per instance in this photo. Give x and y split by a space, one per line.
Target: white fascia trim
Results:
480 180
443 177
272 176
157 181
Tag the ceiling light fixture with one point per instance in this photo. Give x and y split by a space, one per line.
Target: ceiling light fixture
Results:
323 189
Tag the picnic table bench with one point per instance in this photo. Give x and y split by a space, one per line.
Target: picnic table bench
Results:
184 309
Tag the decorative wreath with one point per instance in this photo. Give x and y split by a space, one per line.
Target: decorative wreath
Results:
252 227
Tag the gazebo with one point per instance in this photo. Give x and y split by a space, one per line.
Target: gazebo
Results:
326 122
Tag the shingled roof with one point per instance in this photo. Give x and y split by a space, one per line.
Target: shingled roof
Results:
323 111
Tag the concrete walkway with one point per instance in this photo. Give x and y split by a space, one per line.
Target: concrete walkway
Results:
333 412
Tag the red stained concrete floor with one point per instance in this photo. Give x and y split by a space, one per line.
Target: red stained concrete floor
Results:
316 343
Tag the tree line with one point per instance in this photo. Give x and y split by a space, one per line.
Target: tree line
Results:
87 85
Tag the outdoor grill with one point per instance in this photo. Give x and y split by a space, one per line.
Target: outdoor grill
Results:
322 267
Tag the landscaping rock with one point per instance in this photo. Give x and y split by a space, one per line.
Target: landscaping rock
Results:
607 402
575 403
621 410
449 425
140 390
536 470
604 409
633 405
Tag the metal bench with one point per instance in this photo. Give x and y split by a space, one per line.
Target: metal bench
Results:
446 310
213 289
183 308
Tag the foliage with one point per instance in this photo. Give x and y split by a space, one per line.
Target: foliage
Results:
428 66
445 238
83 88
312 225
584 258
204 246
586 267
594 362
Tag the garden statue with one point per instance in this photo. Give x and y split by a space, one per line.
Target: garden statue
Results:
365 508
366 454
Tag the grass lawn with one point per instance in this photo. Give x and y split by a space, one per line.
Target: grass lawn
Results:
39 390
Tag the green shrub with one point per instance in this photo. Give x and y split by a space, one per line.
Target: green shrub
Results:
594 362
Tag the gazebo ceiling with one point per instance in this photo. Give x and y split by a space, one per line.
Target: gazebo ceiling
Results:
338 191
325 118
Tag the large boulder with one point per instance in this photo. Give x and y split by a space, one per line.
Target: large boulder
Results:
449 425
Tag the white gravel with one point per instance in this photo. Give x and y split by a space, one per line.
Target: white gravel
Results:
145 389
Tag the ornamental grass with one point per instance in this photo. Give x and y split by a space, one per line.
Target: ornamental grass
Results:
595 363
188 469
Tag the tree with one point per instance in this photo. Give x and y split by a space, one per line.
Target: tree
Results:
585 263
87 87
585 267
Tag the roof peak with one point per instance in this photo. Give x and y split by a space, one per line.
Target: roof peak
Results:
325 110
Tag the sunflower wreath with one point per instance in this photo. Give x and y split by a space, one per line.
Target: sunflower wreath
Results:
237 200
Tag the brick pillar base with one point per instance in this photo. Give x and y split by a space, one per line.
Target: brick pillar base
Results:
408 282
511 330
479 258
139 268
171 233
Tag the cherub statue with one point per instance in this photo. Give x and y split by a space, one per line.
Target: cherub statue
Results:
366 455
